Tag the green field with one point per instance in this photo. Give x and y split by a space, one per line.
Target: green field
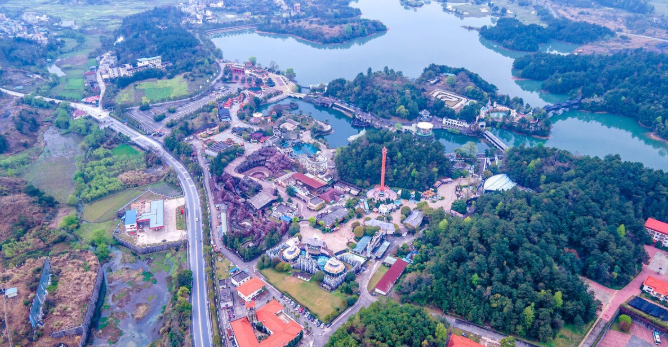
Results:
222 268
382 270
309 294
153 91
568 336
105 209
125 150
164 188
100 231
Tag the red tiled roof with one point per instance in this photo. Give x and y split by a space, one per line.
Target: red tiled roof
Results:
243 333
283 330
660 287
391 276
461 341
329 195
656 225
251 286
311 182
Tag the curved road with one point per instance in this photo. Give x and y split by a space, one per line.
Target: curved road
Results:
201 325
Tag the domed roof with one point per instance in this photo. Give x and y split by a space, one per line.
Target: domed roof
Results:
291 253
334 266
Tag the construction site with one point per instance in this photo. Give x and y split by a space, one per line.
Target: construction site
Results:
50 301
152 222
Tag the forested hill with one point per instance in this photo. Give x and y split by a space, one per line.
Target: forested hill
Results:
158 32
411 163
515 262
512 34
633 84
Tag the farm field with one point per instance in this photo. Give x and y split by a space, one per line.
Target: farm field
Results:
309 294
153 91
74 64
382 270
105 209
58 159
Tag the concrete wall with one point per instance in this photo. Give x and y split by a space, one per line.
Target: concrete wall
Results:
149 249
84 328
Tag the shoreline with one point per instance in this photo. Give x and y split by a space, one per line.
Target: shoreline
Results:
297 37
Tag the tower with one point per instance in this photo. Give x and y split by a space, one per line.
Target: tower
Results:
382 171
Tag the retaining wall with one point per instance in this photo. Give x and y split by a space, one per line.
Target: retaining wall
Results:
84 328
149 249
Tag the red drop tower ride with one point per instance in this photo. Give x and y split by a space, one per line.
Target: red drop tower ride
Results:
382 171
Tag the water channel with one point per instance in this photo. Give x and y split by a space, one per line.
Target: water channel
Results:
428 35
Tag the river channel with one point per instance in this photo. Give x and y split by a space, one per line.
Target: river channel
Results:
417 38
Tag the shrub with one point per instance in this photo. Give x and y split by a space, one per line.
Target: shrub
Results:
624 323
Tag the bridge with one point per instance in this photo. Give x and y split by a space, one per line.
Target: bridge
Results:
495 141
343 108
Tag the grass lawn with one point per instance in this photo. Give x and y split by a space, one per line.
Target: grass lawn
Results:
456 331
164 188
125 150
180 219
154 90
309 294
382 270
222 268
89 231
568 336
41 175
105 209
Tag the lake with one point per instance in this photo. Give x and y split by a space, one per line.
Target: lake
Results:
417 38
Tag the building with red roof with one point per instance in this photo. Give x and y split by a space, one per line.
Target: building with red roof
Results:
391 276
250 289
312 184
655 287
461 341
281 328
658 230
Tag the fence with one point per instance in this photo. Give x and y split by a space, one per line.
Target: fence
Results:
149 249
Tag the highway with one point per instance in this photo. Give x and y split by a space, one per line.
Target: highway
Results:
201 324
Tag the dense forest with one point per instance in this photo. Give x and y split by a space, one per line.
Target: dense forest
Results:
512 34
411 163
158 32
324 21
23 53
386 323
632 84
519 255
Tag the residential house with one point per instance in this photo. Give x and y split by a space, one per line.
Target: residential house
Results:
655 287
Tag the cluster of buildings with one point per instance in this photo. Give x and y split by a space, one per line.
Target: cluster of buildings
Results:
28 27
198 13
145 214
111 69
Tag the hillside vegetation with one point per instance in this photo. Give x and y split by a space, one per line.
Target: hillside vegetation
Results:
512 34
631 84
514 264
411 163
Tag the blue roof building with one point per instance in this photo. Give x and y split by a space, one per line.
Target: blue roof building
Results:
361 245
130 217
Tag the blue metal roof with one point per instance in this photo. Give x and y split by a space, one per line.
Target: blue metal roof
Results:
130 217
361 245
287 219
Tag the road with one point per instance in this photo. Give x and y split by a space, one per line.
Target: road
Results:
201 325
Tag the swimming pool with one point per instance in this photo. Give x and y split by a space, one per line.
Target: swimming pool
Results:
304 148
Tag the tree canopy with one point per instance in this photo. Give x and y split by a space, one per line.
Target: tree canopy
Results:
411 163
514 264
386 323
630 83
512 34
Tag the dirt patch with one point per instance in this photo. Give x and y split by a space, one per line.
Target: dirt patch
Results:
72 283
140 311
62 213
19 210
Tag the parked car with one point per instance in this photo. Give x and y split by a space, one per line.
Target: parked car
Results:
657 338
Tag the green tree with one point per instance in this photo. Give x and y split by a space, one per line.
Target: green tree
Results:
291 191
290 73
252 60
558 299
318 277
358 231
508 342
459 205
624 322
621 230
401 112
